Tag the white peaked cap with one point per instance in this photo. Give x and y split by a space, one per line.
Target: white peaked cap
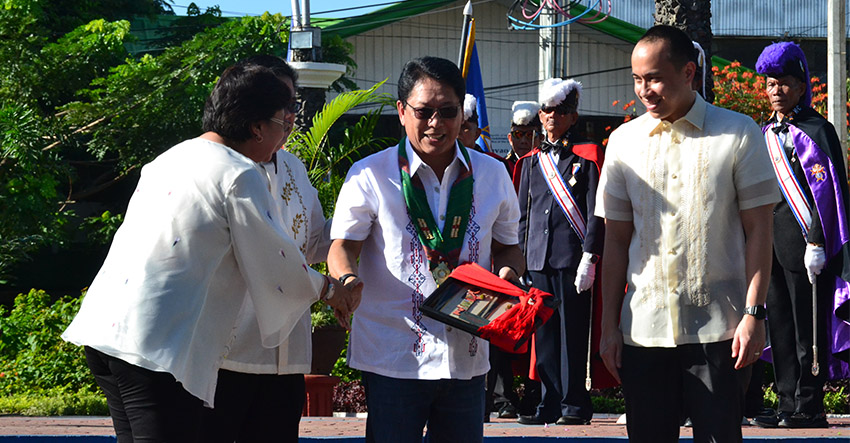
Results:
555 90
523 113
469 106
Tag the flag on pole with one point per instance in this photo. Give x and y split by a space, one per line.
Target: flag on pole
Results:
474 85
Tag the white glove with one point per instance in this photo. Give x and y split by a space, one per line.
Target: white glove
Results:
814 259
586 272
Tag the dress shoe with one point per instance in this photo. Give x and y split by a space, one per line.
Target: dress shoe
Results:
533 420
771 421
508 411
803 420
572 420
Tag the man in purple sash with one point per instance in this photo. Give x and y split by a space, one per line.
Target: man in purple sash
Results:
810 244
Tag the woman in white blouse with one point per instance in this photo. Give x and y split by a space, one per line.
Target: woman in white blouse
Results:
198 235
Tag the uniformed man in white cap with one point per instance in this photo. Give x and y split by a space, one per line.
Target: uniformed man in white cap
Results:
526 131
470 131
562 241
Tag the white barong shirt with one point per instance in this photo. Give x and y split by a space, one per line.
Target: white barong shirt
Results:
683 186
389 335
297 204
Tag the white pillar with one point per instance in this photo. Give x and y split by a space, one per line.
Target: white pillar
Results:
836 67
547 50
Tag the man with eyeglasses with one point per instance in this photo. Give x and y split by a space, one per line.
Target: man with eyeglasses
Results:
410 214
526 130
562 241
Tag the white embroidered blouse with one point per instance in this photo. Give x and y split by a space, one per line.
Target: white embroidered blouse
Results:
198 235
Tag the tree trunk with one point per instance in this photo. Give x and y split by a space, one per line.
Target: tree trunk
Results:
693 17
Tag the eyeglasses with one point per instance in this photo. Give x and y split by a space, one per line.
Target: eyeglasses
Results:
425 113
557 109
293 107
285 124
523 134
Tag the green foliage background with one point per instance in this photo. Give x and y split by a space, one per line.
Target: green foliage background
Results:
33 357
79 114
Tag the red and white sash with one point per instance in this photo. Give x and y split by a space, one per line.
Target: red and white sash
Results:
788 183
562 193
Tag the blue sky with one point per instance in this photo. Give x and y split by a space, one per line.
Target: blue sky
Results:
257 7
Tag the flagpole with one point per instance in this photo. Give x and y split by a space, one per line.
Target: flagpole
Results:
467 21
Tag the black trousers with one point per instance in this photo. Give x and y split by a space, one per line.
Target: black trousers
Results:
662 385
145 406
561 345
789 314
254 408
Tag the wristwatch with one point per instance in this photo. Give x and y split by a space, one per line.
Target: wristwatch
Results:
329 293
757 311
344 277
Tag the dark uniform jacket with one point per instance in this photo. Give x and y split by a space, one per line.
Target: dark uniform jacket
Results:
789 244
546 236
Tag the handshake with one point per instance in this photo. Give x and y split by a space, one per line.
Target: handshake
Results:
343 296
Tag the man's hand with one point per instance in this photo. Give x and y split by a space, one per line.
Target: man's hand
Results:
508 260
586 272
508 273
748 343
345 300
611 350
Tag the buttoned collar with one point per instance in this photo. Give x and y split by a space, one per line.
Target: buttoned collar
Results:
416 162
695 116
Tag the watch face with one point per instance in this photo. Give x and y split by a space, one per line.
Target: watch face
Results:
756 311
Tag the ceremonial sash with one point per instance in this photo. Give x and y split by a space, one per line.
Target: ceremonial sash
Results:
442 248
562 193
788 183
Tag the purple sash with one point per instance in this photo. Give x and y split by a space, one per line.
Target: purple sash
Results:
820 175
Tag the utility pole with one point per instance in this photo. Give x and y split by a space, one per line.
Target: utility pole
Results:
836 66
314 77
546 57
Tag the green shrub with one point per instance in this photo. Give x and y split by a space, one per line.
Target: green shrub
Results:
608 405
55 402
835 400
33 356
341 368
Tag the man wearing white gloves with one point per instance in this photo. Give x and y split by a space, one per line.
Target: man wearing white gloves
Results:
810 243
562 242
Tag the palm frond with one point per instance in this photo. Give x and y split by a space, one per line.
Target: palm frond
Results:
309 145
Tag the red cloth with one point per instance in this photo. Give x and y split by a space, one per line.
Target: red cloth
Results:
511 330
599 375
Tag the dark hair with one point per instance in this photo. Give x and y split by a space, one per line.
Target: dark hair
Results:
273 62
680 49
436 68
244 95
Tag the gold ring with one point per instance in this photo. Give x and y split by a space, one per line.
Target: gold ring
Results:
757 354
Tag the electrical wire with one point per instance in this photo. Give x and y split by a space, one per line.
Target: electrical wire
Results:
528 24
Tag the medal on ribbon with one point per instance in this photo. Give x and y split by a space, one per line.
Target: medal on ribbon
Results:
441 247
